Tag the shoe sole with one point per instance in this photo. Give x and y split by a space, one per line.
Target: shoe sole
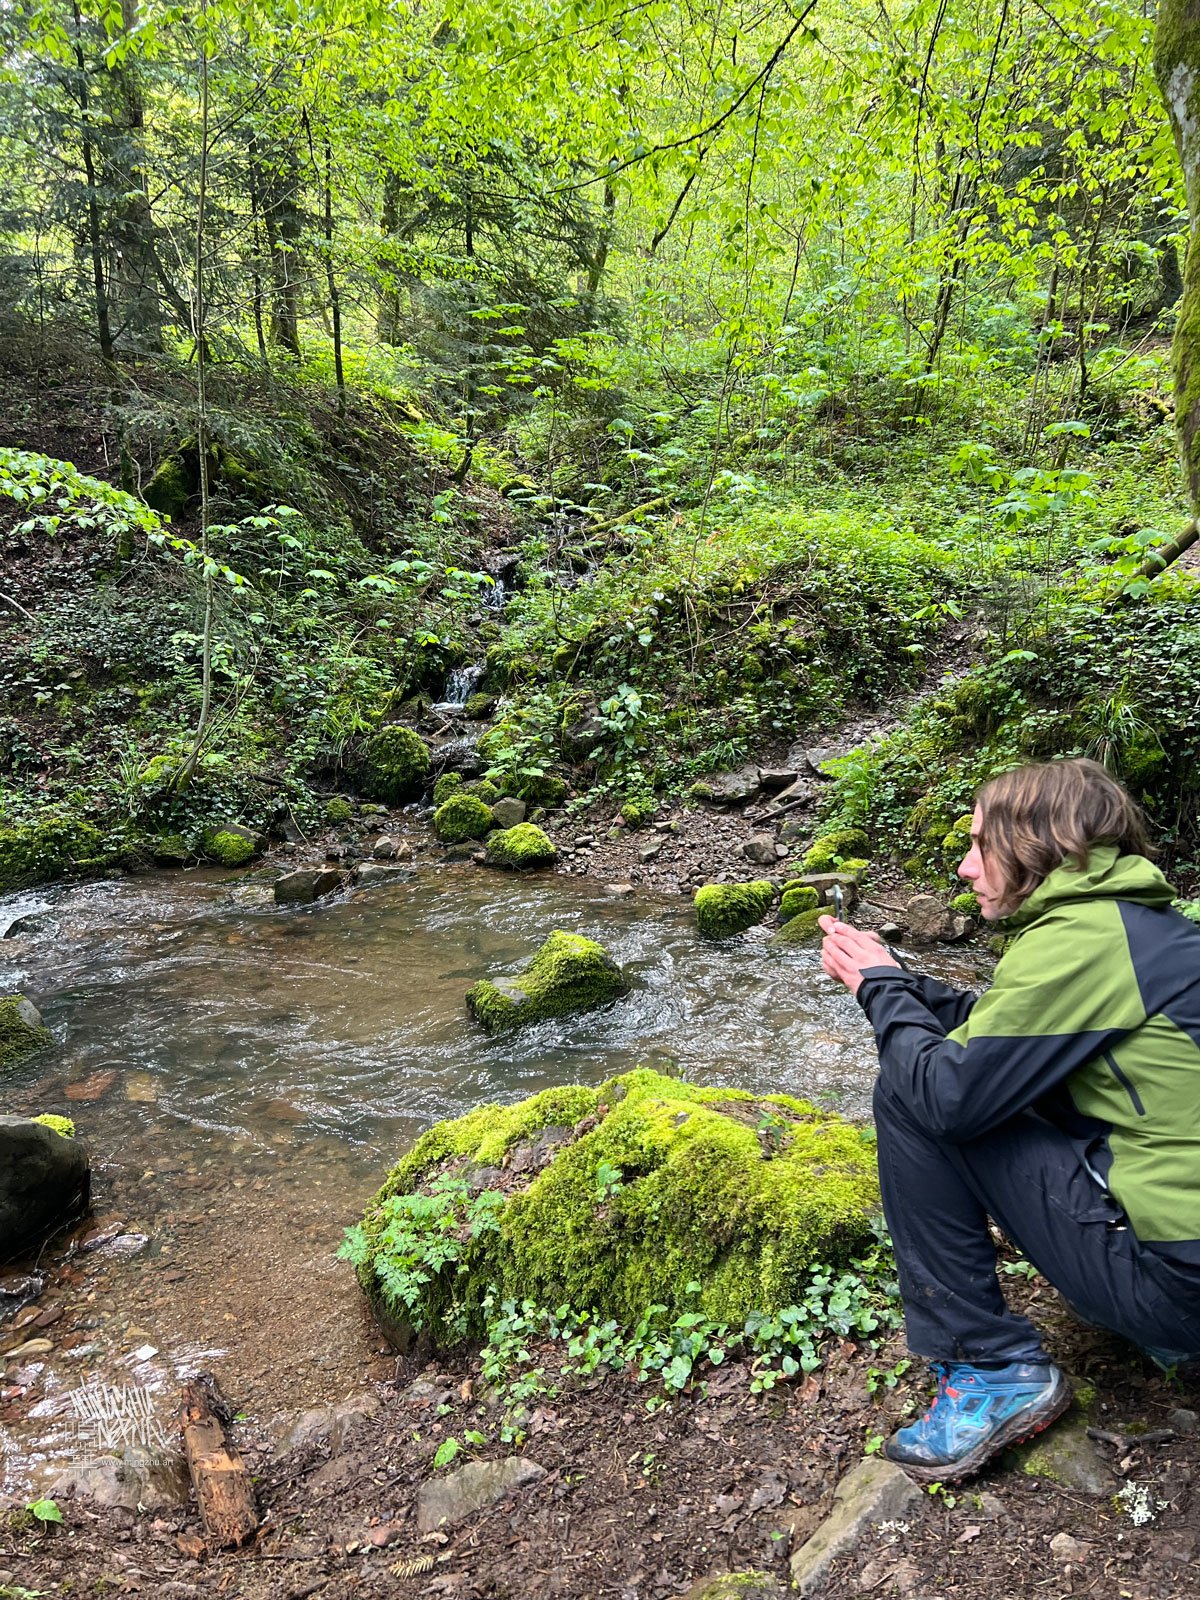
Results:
1015 1431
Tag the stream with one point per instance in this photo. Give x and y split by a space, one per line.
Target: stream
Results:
244 1075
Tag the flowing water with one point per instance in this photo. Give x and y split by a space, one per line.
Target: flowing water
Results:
244 1075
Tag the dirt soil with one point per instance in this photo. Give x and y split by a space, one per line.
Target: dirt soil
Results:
638 1504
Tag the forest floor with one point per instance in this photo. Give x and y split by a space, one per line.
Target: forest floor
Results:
628 1503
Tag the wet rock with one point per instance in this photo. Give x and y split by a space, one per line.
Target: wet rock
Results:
773 779
815 758
650 852
375 873
1066 1549
459 755
792 832
508 811
137 1480
569 974
94 1087
44 1181
891 932
761 849
928 918
621 891
873 1491
796 794
17 1289
22 1031
141 1088
124 1246
33 925
307 885
1068 1457
404 852
445 1502
29 1350
384 848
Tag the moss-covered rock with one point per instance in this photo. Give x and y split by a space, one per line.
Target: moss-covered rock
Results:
54 845
546 790
397 765
229 847
462 817
639 809
825 851
520 847
801 929
966 905
723 909
479 706
569 974
171 850
447 784
633 1193
63 1126
338 810
797 897
171 487
22 1031
486 791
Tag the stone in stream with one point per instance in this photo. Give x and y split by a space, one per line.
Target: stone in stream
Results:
372 873
569 974
520 848
620 1197
44 1181
384 848
307 885
137 1479
22 1031
723 909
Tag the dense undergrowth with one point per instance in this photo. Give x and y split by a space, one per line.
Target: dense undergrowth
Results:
695 587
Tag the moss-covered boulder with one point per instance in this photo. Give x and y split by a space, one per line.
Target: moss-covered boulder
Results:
723 909
520 848
338 811
50 847
826 851
801 929
462 817
615 1199
479 706
569 974
44 1181
229 845
22 1031
63 1126
543 790
797 897
447 784
397 765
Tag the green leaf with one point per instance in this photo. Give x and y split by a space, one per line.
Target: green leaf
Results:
446 1452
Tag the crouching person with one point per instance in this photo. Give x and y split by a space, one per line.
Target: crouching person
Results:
1064 1103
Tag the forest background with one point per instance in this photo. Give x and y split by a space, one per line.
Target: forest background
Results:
766 359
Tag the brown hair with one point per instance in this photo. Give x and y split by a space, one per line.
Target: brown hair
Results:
1035 817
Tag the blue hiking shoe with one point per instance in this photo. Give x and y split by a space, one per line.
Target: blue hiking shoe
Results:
976 1413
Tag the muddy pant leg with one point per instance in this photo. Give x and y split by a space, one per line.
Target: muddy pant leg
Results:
946 1261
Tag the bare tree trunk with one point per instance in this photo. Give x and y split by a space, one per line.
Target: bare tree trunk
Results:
388 320
335 303
1177 68
99 286
133 221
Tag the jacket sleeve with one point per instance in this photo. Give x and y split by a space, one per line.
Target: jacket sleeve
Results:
1062 994
948 1007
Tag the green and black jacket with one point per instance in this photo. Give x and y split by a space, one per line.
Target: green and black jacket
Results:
1093 1020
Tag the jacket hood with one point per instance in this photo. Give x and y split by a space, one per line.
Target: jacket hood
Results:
1107 875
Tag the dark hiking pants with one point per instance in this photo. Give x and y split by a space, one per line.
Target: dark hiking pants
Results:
1032 1179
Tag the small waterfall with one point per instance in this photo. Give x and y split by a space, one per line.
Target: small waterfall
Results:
495 598
459 686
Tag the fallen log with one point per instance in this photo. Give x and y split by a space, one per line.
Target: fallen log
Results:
224 1492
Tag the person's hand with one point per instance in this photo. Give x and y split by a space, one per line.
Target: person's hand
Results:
846 952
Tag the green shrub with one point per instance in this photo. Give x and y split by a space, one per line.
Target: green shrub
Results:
639 809
826 850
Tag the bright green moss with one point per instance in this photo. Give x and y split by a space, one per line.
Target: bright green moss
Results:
801 929
170 489
639 810
856 864
35 851
462 817
825 852
21 1030
546 790
797 898
397 765
446 786
723 909
63 1126
486 791
967 905
698 1197
338 810
520 847
569 974
226 848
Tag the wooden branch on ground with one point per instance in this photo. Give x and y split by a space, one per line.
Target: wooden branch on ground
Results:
1160 559
627 516
224 1492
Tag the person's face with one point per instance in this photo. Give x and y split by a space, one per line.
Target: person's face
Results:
981 874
